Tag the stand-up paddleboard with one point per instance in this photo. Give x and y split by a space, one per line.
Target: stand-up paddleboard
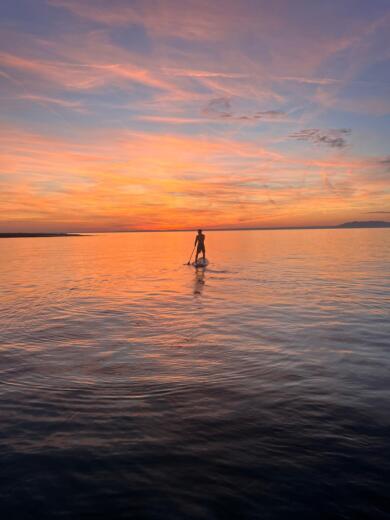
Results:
201 262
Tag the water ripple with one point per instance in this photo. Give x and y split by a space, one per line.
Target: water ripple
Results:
132 386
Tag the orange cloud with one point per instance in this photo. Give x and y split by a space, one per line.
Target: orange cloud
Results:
81 75
127 180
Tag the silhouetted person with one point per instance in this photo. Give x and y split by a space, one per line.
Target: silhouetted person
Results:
199 241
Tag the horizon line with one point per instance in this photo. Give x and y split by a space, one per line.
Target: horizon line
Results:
357 224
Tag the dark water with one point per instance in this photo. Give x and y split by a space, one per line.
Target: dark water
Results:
132 386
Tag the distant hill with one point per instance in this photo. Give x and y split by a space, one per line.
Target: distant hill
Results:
365 224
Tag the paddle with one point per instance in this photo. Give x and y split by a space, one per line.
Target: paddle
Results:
189 261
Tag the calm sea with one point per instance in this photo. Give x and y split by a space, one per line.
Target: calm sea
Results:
133 386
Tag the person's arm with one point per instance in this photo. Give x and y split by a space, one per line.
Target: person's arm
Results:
196 240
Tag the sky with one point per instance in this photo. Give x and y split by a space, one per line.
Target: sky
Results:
179 114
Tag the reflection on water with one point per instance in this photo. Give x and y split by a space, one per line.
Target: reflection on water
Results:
135 387
199 280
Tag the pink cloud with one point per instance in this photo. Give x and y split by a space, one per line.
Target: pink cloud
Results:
46 100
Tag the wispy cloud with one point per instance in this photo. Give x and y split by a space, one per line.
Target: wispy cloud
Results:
309 81
46 100
170 120
379 212
334 138
203 73
83 74
221 108
199 20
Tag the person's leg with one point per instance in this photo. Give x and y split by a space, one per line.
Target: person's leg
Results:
204 252
197 254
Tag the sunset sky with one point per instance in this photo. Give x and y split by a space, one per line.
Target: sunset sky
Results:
142 114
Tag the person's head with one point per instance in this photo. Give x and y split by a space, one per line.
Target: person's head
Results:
199 231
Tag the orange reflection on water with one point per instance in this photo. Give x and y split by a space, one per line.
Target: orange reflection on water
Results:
128 264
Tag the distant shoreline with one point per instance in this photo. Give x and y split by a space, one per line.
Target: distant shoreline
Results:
38 235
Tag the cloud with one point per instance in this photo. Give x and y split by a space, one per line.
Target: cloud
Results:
221 108
294 40
309 81
161 101
385 162
46 100
82 74
202 73
170 178
268 115
189 20
171 120
334 138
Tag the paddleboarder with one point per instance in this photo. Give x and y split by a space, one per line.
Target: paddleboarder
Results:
199 242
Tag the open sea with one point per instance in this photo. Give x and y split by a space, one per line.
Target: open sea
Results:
133 386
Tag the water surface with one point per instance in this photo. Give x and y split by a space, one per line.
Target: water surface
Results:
133 386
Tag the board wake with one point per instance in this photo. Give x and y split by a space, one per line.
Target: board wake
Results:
201 262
